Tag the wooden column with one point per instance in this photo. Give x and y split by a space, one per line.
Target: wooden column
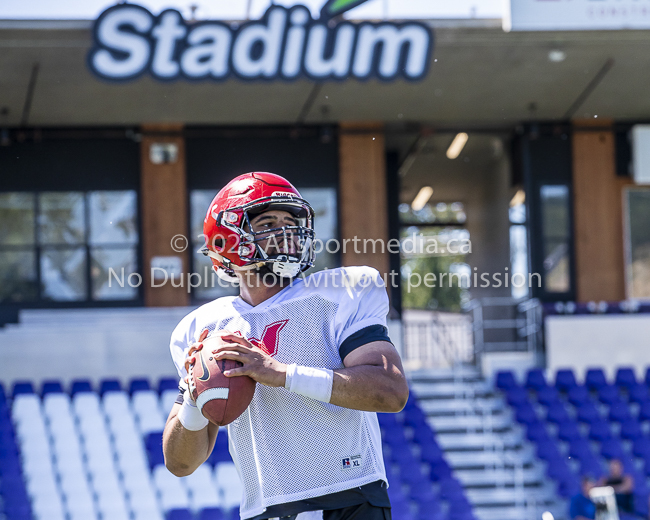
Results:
362 194
598 213
164 213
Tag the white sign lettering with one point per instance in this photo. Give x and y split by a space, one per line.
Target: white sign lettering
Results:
285 44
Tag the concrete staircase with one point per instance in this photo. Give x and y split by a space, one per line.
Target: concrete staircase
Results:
485 446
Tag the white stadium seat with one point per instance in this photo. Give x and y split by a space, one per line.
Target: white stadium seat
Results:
56 404
228 483
167 400
116 403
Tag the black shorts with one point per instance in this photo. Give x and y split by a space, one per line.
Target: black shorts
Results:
365 511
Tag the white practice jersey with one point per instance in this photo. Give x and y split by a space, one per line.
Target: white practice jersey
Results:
288 447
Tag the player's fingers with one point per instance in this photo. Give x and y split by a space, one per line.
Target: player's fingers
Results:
233 355
190 360
204 335
234 347
194 348
234 372
234 338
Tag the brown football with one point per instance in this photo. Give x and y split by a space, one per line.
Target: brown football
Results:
220 399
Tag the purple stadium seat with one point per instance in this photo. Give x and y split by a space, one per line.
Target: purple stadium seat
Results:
625 378
559 471
423 435
167 383
517 396
526 414
595 378
644 412
565 380
431 453
579 449
450 488
608 394
414 417
646 379
535 379
505 380
591 467
440 471
631 430
212 513
180 514
578 395
22 387
548 395
536 432
138 385
557 413
600 431
619 411
109 385
638 394
587 413
548 451
421 493
52 387
568 431
612 449
220 452
81 386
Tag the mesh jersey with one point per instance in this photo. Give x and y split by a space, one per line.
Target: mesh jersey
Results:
288 447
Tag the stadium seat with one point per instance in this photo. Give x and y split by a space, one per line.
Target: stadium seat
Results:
631 430
450 488
548 395
548 451
568 431
625 378
644 412
565 380
52 387
536 432
229 486
212 513
588 413
440 471
138 385
168 383
600 431
579 449
612 449
535 379
526 414
595 378
516 396
557 413
619 411
608 394
22 387
180 514
638 394
80 386
505 380
109 385
578 395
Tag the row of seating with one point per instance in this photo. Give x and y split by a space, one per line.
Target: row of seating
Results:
576 429
85 385
565 379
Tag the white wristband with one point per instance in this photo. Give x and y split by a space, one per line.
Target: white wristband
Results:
315 383
190 416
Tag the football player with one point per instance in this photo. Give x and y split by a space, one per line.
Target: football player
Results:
317 347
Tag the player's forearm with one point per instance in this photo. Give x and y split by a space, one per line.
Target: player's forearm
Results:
370 388
184 450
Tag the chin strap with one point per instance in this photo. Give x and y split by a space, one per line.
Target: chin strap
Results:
230 265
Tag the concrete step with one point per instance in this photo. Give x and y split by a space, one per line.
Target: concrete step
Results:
491 478
490 459
509 496
471 423
433 407
445 390
479 441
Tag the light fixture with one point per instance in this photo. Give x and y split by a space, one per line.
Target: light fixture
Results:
422 198
556 56
457 145
519 198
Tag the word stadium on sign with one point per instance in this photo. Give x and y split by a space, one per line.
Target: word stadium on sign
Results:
285 44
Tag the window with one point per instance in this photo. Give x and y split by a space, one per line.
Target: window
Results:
323 200
434 247
637 242
68 246
556 236
518 243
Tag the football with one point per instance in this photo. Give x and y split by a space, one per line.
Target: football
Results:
220 399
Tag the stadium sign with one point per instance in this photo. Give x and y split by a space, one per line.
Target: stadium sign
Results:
285 44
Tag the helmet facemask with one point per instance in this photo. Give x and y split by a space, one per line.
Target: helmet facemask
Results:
285 250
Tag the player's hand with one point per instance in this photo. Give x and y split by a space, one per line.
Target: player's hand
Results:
257 364
191 357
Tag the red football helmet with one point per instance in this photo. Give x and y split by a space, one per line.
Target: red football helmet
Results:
230 241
